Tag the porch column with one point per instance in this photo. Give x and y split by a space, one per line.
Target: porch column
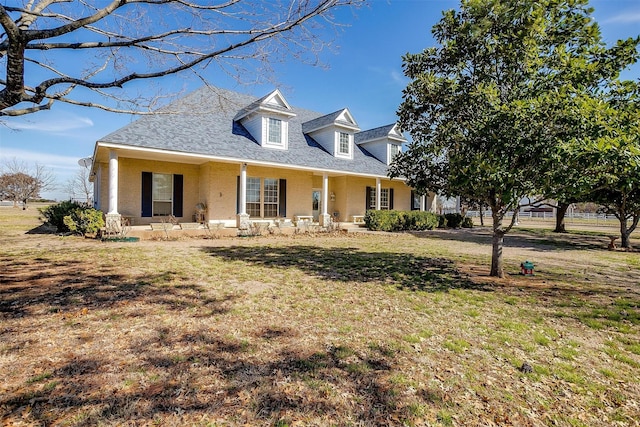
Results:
242 219
431 202
324 218
423 203
112 217
97 180
378 191
113 182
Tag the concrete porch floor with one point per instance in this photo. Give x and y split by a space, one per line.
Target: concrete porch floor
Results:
146 232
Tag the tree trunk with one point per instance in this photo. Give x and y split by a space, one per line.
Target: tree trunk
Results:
481 215
624 234
497 265
561 212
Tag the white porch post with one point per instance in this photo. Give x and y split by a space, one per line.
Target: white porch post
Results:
242 218
431 205
113 182
378 188
97 181
113 218
324 217
423 203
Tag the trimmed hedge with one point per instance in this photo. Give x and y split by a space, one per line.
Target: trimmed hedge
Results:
413 220
400 220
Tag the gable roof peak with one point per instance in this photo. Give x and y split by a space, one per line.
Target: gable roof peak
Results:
273 102
342 118
391 131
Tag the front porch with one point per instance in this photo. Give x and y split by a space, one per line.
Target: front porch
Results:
216 230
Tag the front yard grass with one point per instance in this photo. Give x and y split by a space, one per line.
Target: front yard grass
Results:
387 329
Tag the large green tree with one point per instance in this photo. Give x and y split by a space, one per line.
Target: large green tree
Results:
482 107
613 156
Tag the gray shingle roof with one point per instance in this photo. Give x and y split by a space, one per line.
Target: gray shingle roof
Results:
326 120
202 123
371 134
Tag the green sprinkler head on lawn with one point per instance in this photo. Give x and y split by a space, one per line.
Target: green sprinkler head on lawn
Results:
526 268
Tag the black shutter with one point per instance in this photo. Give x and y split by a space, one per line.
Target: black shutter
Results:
238 195
413 201
178 195
282 198
367 198
147 194
390 198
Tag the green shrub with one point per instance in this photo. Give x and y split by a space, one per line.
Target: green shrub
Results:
54 214
73 216
400 220
454 220
378 220
84 221
442 221
420 220
467 222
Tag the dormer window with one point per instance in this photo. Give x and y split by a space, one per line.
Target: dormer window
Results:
274 131
334 132
394 150
384 142
267 120
344 144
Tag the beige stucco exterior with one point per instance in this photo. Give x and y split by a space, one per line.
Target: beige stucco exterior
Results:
215 184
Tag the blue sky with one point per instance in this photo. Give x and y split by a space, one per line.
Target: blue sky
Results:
363 73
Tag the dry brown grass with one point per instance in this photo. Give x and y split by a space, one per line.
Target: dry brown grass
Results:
343 330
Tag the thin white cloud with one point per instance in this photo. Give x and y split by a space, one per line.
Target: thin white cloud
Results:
61 124
53 161
396 76
624 18
62 167
399 78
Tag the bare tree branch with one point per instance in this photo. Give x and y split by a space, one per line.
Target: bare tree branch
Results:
129 40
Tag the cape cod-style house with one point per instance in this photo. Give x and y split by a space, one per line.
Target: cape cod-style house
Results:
247 159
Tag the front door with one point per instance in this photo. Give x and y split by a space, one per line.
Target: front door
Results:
315 200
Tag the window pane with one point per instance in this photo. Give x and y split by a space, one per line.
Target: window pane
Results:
372 199
253 197
161 208
270 198
270 190
162 186
253 209
394 149
344 143
270 210
275 131
384 198
253 190
416 201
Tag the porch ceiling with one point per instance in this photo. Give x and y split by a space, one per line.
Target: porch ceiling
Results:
102 156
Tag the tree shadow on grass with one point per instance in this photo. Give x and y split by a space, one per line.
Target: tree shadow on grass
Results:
216 377
406 271
44 286
540 240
